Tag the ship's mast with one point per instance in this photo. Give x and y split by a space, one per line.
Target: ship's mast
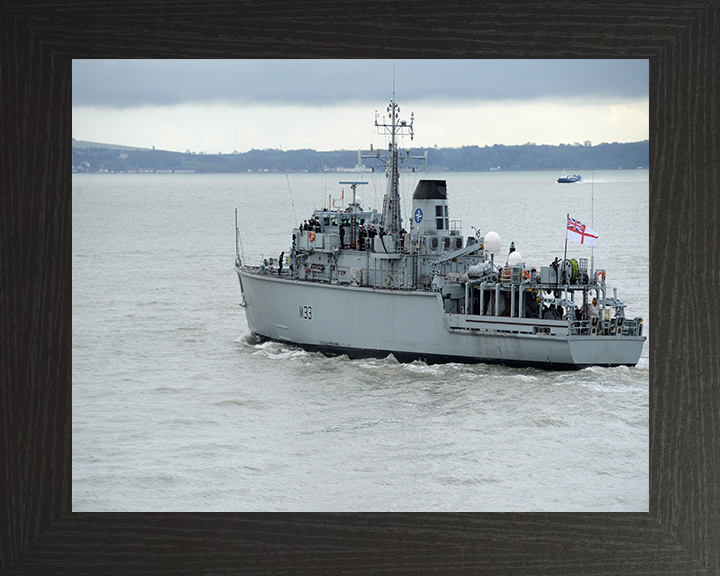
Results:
392 217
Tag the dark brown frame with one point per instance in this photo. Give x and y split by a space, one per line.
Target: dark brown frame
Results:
38 531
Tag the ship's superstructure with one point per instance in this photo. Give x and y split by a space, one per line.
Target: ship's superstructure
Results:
357 282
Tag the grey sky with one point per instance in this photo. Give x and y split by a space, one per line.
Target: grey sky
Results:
131 83
115 98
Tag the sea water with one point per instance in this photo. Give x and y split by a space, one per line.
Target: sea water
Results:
178 407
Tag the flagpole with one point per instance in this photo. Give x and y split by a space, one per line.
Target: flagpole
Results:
566 231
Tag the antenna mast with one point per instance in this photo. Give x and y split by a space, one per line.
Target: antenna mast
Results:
391 216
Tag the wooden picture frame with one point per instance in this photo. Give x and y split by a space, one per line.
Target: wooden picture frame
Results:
38 531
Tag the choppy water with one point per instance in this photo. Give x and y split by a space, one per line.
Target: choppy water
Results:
176 406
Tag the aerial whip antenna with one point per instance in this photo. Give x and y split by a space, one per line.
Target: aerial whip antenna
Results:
292 203
592 221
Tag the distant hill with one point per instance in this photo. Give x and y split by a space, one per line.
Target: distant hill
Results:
576 158
86 144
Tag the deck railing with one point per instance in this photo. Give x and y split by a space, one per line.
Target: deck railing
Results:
612 327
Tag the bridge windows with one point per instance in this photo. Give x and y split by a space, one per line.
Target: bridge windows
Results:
441 218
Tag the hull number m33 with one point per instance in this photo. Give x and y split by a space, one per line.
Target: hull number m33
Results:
305 312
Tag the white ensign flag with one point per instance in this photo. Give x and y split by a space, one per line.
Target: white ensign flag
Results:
578 232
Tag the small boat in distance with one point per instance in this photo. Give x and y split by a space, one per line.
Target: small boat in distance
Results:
565 179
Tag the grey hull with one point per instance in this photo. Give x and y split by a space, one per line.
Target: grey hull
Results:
364 322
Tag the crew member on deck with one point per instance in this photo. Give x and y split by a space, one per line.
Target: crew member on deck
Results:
556 266
280 260
369 242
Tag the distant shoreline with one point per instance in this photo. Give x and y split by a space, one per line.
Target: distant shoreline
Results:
576 158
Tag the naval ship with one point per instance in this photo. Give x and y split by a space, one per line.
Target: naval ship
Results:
356 282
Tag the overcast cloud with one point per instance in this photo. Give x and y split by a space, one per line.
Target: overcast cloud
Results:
222 105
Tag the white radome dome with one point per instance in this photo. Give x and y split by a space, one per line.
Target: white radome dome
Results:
514 258
492 243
